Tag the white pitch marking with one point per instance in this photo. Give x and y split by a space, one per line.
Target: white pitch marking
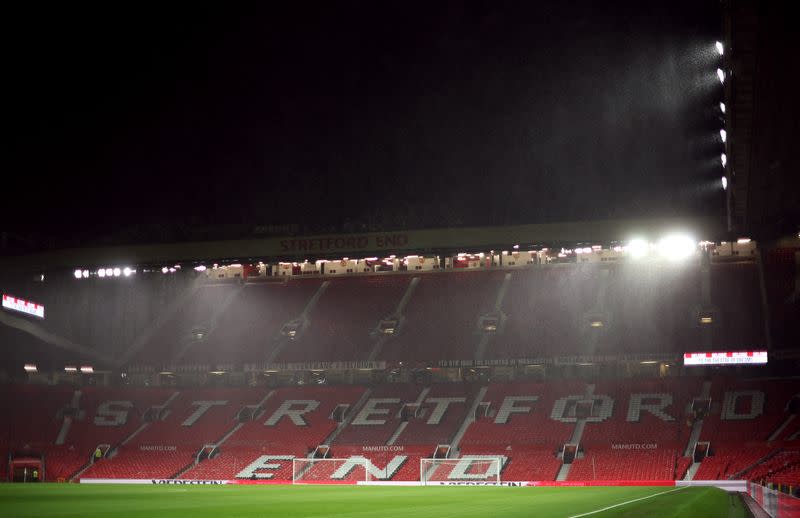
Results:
628 502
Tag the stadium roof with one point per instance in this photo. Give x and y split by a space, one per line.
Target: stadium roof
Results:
318 246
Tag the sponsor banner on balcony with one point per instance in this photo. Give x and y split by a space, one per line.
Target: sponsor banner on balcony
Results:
558 360
307 366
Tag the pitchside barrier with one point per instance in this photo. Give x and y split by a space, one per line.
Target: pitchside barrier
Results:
775 503
359 478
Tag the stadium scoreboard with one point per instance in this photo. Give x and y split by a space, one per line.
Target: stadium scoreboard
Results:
23 306
726 358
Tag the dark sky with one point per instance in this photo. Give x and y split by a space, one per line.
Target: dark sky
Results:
397 113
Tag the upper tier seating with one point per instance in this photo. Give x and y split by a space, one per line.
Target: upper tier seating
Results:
246 330
441 318
650 308
735 292
543 307
171 342
780 278
345 317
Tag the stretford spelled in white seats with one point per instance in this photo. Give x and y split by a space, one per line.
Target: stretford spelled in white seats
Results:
375 411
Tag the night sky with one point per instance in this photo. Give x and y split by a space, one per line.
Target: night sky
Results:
367 115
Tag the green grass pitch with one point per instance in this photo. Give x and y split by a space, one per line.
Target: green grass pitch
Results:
66 500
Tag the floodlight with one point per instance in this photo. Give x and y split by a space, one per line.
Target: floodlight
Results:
117 272
164 269
127 271
676 246
722 107
720 48
30 367
200 268
637 248
723 135
724 182
724 159
87 369
85 274
101 273
77 274
70 368
109 272
721 75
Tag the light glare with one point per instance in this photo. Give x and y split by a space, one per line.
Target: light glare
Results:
723 135
722 107
721 75
720 48
724 183
637 248
724 159
676 246
77 274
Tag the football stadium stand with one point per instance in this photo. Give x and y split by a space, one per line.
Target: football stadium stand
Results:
390 367
634 429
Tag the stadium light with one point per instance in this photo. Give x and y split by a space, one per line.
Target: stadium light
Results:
109 272
85 274
720 48
637 248
127 271
723 135
721 75
117 272
70 368
101 273
743 240
78 274
724 183
724 159
200 268
30 367
722 107
676 246
164 270
87 369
